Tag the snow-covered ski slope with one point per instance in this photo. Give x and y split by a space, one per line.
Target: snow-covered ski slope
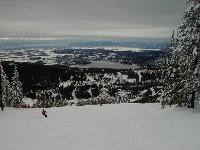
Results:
110 127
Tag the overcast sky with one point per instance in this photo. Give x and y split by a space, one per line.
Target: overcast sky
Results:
65 18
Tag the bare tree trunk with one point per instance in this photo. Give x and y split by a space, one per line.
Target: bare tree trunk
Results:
192 99
1 105
1 101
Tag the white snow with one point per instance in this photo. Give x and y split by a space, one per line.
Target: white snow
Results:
153 91
140 76
195 53
143 92
117 48
197 7
110 127
65 84
131 80
29 101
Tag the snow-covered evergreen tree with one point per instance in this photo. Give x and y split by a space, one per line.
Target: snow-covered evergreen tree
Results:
189 37
182 79
5 88
17 93
173 75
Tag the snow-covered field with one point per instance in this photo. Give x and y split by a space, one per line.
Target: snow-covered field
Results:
110 127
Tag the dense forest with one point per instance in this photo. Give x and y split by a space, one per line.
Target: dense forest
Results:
59 86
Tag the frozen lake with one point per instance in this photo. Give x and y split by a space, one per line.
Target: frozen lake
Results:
106 64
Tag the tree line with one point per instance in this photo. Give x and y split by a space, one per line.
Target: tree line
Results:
182 75
11 92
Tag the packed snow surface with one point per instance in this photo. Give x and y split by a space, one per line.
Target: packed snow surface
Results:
110 127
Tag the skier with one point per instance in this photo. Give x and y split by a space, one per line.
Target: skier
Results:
44 113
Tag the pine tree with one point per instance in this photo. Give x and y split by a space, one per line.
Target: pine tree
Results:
189 37
182 79
173 77
16 89
5 88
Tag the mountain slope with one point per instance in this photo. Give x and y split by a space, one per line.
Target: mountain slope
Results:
110 127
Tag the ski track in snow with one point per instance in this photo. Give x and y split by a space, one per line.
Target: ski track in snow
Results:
110 127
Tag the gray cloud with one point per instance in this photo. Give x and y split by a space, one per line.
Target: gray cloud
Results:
129 18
